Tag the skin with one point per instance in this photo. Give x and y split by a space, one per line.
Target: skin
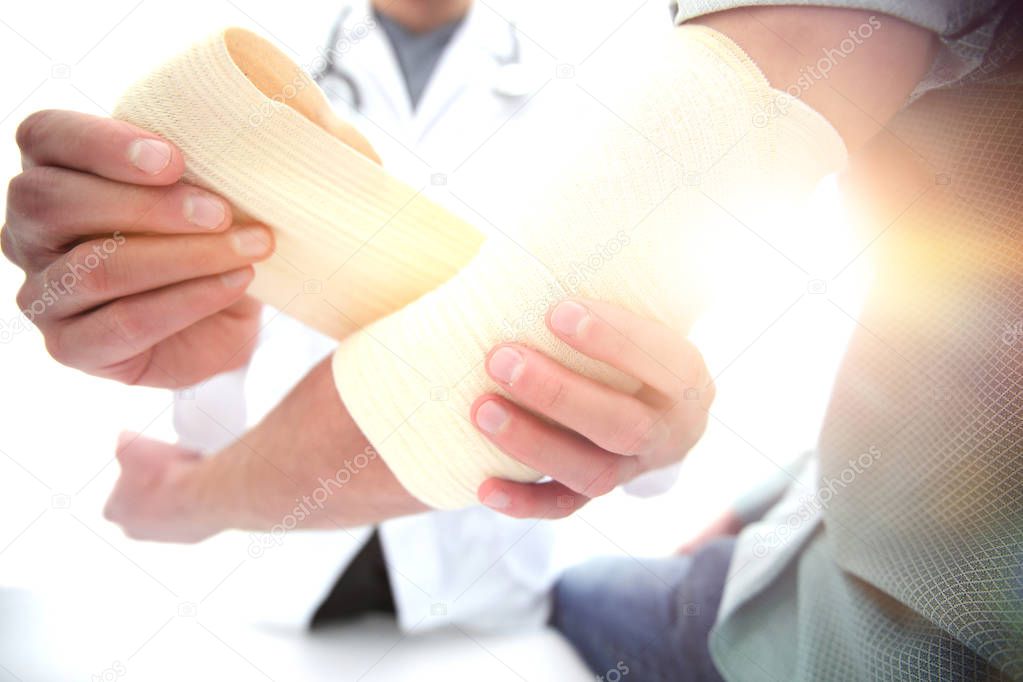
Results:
584 447
257 481
420 16
726 525
170 494
167 307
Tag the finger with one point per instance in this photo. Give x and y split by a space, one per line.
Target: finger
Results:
100 271
103 146
136 449
639 347
52 207
727 524
548 500
615 421
564 456
126 329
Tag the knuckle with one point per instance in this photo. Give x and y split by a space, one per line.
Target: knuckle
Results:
125 324
29 192
617 343
26 297
58 347
32 128
605 481
637 433
605 340
7 246
549 392
90 273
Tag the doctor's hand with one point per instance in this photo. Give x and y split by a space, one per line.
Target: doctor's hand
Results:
585 436
131 274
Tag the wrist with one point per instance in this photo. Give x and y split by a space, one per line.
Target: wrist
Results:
215 488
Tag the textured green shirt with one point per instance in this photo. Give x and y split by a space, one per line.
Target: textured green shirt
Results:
899 553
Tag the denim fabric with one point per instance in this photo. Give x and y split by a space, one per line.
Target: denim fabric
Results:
644 619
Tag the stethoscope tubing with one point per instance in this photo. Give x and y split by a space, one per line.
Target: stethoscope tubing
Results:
331 67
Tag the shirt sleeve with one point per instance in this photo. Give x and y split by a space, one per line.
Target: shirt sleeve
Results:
653 483
973 33
210 415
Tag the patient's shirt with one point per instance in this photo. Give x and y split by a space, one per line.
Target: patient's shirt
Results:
898 555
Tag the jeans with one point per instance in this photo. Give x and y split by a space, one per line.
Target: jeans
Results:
638 620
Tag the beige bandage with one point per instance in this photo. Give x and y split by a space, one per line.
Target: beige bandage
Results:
675 143
352 243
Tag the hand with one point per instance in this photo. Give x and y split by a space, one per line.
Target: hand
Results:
154 497
306 464
131 274
584 435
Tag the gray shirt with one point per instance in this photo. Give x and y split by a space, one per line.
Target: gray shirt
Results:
417 53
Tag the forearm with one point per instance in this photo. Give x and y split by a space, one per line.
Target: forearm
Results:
855 67
655 178
306 464
706 138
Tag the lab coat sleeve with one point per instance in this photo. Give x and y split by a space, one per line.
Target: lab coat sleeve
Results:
210 415
653 483
471 568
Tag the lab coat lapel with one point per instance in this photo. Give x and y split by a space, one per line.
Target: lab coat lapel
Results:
468 58
373 64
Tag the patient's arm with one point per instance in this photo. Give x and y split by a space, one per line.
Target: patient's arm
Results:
305 465
671 155
855 67
256 481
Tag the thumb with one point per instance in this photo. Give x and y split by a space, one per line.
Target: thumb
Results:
145 456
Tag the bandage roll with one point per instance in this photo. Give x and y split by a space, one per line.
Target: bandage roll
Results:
352 243
659 157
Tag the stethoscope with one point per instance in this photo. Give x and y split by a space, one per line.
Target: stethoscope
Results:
513 80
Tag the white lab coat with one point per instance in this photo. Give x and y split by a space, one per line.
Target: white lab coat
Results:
471 567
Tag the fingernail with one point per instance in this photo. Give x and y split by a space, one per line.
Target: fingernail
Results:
204 211
149 155
236 278
506 365
251 242
569 318
490 416
497 500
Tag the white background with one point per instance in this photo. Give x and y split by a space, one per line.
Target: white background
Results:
773 346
